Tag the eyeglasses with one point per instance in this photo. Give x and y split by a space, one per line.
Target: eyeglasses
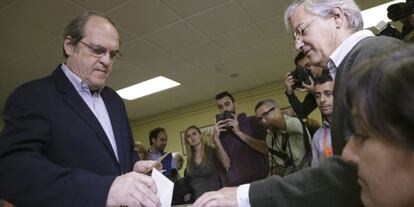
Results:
265 114
298 33
99 51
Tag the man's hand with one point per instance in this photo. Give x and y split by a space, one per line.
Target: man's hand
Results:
225 197
308 88
133 189
218 128
234 123
144 166
289 83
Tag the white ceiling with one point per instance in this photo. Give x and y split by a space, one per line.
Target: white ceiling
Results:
202 44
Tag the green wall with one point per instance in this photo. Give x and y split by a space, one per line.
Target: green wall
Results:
203 114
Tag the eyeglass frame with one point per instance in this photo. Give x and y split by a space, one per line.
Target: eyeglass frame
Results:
100 51
298 32
266 113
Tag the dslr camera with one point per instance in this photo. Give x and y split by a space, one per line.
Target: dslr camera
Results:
301 74
223 116
400 10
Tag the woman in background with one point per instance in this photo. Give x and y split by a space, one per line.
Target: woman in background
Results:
141 150
203 167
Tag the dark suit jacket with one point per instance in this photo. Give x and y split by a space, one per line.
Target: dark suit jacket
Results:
54 152
360 53
334 183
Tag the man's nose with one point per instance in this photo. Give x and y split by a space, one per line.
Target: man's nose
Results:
106 59
298 44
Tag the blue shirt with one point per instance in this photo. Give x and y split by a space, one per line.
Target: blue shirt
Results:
95 104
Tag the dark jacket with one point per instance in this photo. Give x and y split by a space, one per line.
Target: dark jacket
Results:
54 151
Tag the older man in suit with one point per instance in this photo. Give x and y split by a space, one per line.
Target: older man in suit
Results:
330 34
67 140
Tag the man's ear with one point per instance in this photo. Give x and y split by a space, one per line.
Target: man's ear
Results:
339 17
68 46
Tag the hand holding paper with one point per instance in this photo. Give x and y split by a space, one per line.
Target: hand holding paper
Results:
133 189
165 188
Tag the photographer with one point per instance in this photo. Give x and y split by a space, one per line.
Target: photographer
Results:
403 12
303 109
240 143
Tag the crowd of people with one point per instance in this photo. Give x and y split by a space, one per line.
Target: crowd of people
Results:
67 140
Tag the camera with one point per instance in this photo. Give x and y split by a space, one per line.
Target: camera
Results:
387 29
301 74
401 10
223 116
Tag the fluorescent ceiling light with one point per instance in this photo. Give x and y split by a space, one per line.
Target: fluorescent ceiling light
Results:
147 87
377 14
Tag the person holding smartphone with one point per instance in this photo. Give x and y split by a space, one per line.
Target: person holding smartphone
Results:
240 143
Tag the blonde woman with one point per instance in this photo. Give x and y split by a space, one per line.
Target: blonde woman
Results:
203 167
141 150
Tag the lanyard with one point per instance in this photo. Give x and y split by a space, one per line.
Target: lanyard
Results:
327 150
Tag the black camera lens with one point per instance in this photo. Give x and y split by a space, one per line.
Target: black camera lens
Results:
400 10
300 74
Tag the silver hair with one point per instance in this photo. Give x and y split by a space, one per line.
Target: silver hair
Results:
324 8
266 102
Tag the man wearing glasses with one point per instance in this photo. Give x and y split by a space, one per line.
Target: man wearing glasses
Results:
289 143
330 34
67 139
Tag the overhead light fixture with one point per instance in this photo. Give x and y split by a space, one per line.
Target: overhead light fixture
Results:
374 15
147 87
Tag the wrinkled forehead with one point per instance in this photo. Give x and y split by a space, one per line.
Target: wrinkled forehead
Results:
299 16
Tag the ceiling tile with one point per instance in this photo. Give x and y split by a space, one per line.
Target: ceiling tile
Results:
270 69
260 52
169 66
10 55
176 36
21 36
125 36
99 5
25 68
141 17
34 13
189 7
125 74
264 9
200 53
55 45
221 19
240 39
5 3
274 29
140 51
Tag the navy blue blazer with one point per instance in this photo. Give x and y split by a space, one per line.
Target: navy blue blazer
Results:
53 150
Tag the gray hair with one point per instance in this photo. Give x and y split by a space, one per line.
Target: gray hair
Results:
266 102
75 29
324 8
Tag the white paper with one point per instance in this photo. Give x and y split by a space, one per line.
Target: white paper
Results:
164 188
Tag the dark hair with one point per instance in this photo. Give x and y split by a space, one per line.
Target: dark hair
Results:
380 95
267 102
224 94
299 57
154 133
323 78
75 29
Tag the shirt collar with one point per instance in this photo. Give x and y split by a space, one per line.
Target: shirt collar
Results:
79 84
326 123
339 54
